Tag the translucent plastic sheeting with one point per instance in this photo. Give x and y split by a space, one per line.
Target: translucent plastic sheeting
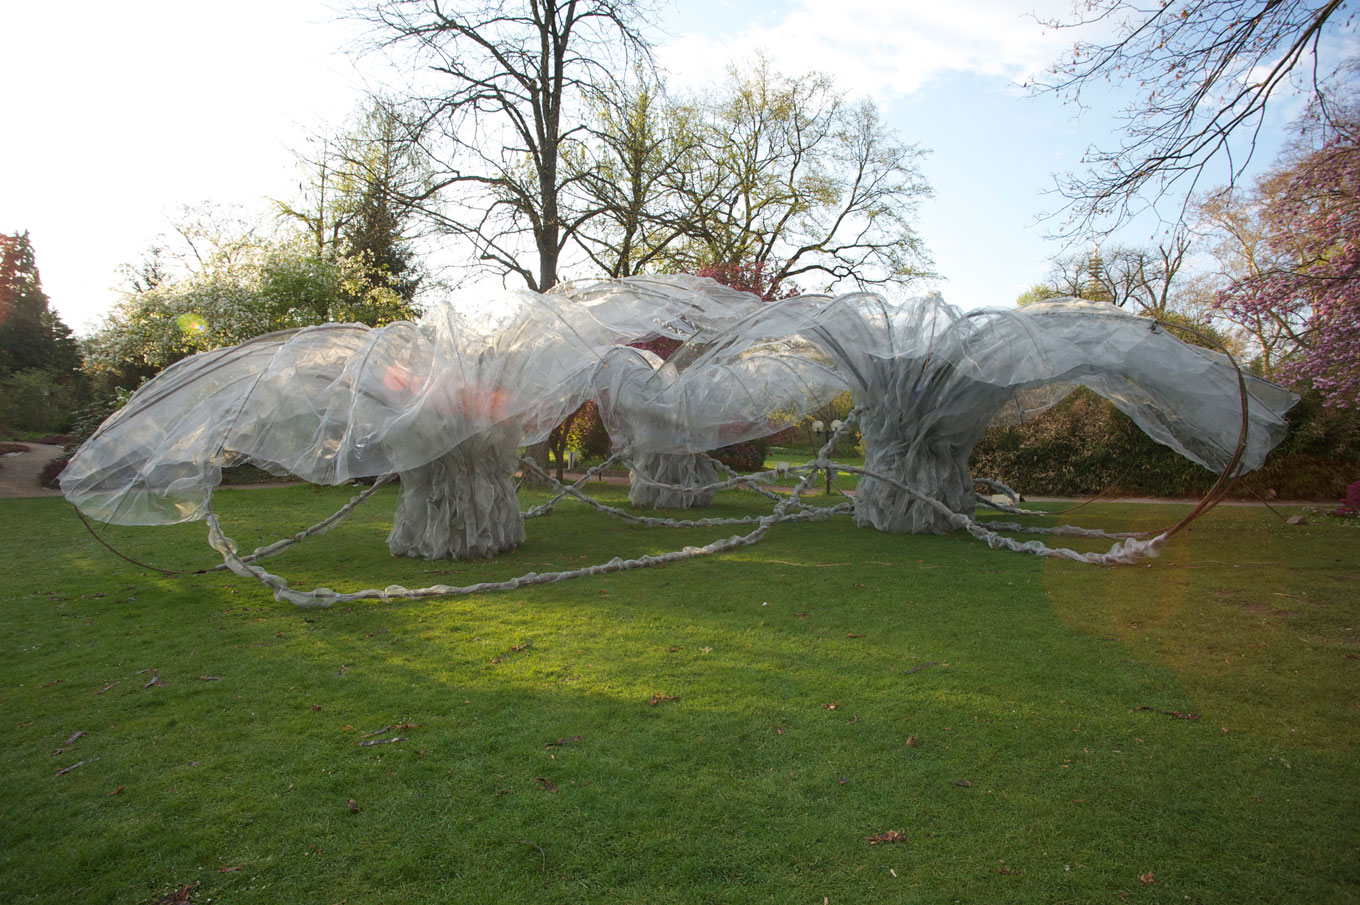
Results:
936 378
662 418
342 401
932 378
445 402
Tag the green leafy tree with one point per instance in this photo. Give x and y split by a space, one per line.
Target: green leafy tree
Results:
782 173
639 179
40 379
1039 292
239 285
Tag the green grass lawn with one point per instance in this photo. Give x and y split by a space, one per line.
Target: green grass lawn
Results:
733 729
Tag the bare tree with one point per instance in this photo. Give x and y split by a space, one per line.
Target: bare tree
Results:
1205 71
1146 277
639 182
780 173
321 207
805 182
1142 278
1246 249
513 79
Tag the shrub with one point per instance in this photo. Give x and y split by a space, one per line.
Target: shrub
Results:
52 471
88 418
1084 445
1350 506
35 401
748 455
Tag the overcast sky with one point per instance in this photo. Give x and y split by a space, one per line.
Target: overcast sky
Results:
117 114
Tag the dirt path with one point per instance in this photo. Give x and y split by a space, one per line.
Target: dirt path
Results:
19 473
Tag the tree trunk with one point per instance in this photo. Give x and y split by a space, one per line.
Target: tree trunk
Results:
540 454
463 504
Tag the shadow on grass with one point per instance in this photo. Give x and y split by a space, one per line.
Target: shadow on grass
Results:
796 715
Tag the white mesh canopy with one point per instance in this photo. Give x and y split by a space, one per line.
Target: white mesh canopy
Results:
343 401
446 402
662 418
933 378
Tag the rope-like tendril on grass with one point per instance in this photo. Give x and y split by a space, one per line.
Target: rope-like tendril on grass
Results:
787 509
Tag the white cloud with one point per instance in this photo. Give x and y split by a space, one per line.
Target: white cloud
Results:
885 50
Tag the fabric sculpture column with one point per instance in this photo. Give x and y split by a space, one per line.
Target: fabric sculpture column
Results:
461 505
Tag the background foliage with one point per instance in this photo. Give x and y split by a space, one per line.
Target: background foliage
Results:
1084 446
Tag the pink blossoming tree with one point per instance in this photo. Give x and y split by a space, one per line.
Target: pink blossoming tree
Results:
1313 217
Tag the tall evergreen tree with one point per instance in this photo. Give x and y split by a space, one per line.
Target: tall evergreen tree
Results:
32 336
385 166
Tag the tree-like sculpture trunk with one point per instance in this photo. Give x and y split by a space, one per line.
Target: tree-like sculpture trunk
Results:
929 460
463 504
651 469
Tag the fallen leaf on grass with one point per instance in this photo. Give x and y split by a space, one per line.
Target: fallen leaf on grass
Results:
514 649
546 783
210 678
230 868
155 680
912 742
853 635
831 706
925 665
116 790
353 806
53 682
382 741
178 897
964 783
407 726
1148 877
889 836
107 687
563 742
800 615
662 699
